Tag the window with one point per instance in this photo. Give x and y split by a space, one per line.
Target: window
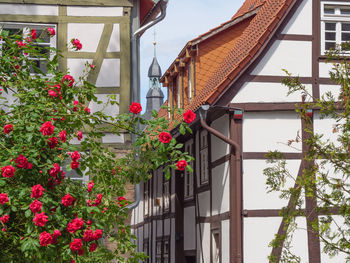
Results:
159 252
188 180
178 92
146 249
24 30
146 197
215 248
203 155
335 26
166 195
166 251
189 83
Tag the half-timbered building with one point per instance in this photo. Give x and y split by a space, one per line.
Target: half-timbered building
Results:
221 212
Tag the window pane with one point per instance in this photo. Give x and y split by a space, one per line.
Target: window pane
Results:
345 27
345 11
330 45
330 36
345 36
328 10
330 26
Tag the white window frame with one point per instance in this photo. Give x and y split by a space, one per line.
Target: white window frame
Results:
159 251
336 18
146 188
166 195
216 245
190 94
188 176
204 157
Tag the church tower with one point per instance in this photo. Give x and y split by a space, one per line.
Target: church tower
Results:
155 95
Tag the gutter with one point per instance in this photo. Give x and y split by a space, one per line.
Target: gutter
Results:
135 78
236 222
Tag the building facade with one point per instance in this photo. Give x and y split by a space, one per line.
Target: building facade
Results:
222 212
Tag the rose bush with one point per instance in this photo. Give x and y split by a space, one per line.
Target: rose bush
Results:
45 216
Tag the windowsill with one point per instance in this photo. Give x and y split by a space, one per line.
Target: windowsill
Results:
204 187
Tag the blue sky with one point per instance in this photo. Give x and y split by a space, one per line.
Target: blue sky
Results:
185 20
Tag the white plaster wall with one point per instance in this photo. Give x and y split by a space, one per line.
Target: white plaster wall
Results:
159 228
110 110
114 42
221 189
77 67
204 203
189 228
225 240
333 89
266 92
324 69
255 195
172 196
203 245
94 11
140 239
166 227
259 232
301 22
153 252
295 56
341 257
325 126
146 230
113 138
218 146
265 131
109 75
24 9
89 35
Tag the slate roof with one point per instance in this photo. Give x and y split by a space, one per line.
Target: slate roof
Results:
154 70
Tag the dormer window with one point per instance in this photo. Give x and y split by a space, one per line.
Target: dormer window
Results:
335 25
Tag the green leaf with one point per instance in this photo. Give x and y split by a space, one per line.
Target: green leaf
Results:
28 213
182 130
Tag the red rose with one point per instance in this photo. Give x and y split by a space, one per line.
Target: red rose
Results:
56 233
164 137
88 235
87 109
35 206
21 161
76 44
81 252
67 200
37 191
89 222
55 170
40 219
68 78
51 31
8 171
8 128
189 116
29 166
181 165
93 247
5 219
45 239
3 198
52 142
76 102
76 245
47 128
33 33
75 225
98 234
80 135
75 156
90 186
135 108
20 44
63 136
52 93
122 201
98 199
74 165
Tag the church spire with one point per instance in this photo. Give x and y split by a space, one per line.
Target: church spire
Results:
155 95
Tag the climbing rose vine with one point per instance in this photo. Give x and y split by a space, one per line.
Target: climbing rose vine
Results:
49 135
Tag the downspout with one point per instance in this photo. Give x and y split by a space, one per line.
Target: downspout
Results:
135 79
236 212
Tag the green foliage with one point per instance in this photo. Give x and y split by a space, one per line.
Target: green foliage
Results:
27 104
326 166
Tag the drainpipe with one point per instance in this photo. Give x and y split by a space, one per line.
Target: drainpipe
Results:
135 71
236 193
